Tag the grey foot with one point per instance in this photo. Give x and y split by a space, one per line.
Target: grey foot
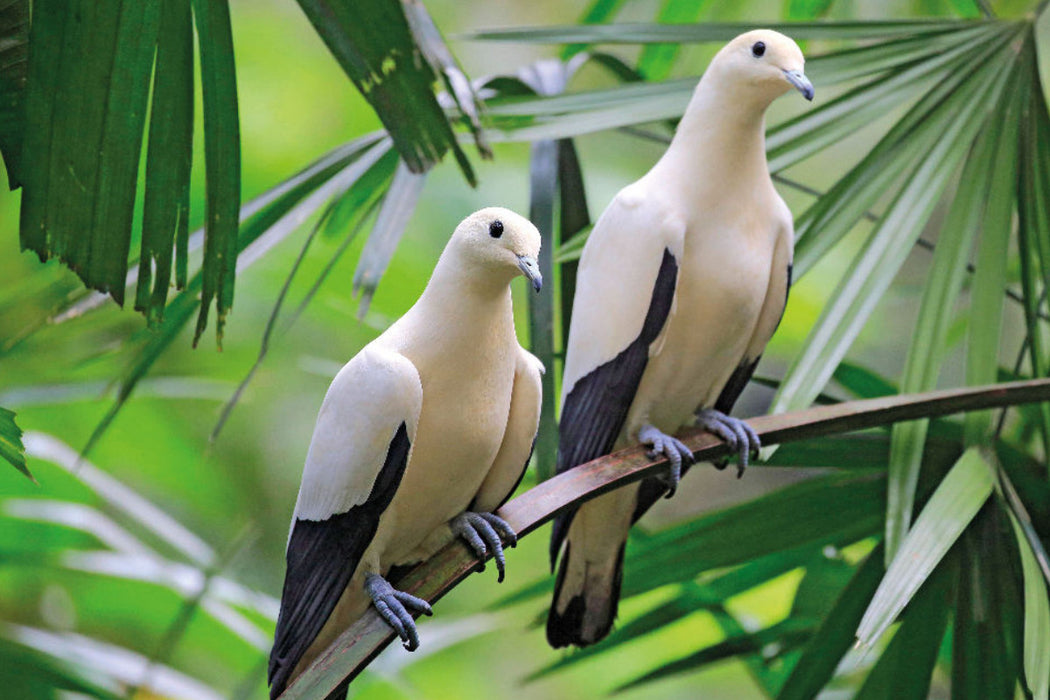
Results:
736 433
482 532
391 603
676 452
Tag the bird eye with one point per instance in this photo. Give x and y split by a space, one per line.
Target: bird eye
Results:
496 228
758 49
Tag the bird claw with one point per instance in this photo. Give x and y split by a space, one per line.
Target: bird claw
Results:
736 433
391 605
676 452
483 532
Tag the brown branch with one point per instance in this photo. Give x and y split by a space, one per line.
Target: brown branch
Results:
356 647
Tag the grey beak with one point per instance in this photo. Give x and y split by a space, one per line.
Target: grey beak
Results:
801 83
531 269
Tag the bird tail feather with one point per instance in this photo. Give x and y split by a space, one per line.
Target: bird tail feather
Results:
586 597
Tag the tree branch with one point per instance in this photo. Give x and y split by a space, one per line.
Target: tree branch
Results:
356 647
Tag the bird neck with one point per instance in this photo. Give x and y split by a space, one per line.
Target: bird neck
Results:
722 130
463 290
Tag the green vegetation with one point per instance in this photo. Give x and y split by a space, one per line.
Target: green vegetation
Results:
146 561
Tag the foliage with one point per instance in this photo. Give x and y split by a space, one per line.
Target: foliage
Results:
927 133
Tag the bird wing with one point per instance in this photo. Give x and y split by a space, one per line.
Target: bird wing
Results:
651 490
625 292
518 439
769 318
357 456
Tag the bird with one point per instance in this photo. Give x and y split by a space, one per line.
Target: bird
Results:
421 436
681 284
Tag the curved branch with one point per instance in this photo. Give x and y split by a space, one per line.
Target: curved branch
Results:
359 644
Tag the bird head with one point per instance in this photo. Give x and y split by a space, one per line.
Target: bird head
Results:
765 63
499 239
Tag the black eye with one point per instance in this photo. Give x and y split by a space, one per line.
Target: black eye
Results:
496 228
758 49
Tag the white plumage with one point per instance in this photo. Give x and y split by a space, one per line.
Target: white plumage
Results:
680 286
434 418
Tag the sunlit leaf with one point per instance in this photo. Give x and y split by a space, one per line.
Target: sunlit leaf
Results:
936 310
904 669
790 632
399 203
656 59
1036 619
948 512
636 33
835 635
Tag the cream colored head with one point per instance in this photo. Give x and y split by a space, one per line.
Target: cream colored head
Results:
500 242
759 66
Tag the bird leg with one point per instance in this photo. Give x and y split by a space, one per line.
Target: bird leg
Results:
482 532
676 452
736 433
391 603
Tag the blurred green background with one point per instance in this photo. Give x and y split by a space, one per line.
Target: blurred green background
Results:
235 495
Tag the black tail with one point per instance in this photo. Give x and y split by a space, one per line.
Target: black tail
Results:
588 611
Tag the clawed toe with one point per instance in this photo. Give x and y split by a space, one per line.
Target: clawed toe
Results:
676 452
483 532
737 434
393 605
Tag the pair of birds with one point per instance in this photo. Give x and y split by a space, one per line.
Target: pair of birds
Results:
427 430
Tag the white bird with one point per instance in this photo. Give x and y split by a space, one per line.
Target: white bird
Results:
421 436
680 286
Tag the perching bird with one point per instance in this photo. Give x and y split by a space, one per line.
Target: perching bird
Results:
681 284
421 436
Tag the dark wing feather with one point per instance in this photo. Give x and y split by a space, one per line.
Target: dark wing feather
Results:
653 489
322 556
596 409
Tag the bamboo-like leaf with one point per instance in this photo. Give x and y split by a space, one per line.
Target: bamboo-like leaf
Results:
1036 619
359 189
835 635
543 193
948 512
222 161
789 633
904 669
349 653
656 59
638 33
977 188
989 280
385 67
86 94
807 9
287 206
835 213
1033 229
14 40
399 203
11 447
873 269
987 632
165 216
813 130
598 12
836 509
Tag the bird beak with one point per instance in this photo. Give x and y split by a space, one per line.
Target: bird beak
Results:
801 83
531 269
